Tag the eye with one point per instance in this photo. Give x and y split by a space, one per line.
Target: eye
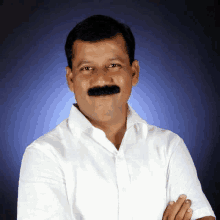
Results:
115 65
86 68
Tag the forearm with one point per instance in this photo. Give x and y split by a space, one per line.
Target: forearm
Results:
207 218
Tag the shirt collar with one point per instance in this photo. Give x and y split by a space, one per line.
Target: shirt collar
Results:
78 123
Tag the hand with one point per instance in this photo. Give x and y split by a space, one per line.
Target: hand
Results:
178 210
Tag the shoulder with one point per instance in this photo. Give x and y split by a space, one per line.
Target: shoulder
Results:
162 140
52 143
160 135
43 159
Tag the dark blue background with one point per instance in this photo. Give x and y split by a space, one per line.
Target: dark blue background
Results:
177 45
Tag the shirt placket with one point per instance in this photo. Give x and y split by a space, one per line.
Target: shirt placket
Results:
123 182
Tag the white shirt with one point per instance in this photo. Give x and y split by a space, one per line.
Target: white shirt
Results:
75 173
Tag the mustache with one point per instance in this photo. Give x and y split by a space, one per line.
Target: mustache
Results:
106 90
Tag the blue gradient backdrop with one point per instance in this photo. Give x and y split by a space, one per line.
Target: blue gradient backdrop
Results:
177 89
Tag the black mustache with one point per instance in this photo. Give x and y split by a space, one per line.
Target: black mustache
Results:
106 90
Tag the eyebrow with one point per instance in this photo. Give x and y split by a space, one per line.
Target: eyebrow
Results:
113 58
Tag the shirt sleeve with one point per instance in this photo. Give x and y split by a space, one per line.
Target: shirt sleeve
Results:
41 191
183 179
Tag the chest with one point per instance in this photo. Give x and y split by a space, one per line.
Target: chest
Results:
118 188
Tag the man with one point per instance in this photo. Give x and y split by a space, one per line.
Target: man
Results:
104 161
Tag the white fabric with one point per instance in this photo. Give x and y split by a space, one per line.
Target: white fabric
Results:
75 173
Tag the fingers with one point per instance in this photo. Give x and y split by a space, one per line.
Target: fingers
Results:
188 214
176 207
183 210
178 210
167 210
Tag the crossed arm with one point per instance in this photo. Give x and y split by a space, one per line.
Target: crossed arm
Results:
207 218
180 210
49 183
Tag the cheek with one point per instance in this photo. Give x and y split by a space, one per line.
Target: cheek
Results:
125 84
125 81
81 85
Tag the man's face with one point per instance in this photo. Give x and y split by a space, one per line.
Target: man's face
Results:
99 64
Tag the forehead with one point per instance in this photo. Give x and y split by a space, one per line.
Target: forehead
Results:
115 46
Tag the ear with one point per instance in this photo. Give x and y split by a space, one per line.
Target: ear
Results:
135 72
69 78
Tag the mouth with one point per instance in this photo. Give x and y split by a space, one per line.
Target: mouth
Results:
104 96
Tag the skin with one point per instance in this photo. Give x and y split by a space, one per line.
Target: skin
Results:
180 210
106 113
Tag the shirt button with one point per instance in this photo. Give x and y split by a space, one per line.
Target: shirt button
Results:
123 189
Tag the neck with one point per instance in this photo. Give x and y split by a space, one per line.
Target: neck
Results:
118 125
114 130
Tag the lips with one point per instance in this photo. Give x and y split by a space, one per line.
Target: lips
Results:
103 96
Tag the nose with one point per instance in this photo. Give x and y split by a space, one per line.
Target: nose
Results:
102 77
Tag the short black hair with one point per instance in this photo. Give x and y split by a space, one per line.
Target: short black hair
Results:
96 28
